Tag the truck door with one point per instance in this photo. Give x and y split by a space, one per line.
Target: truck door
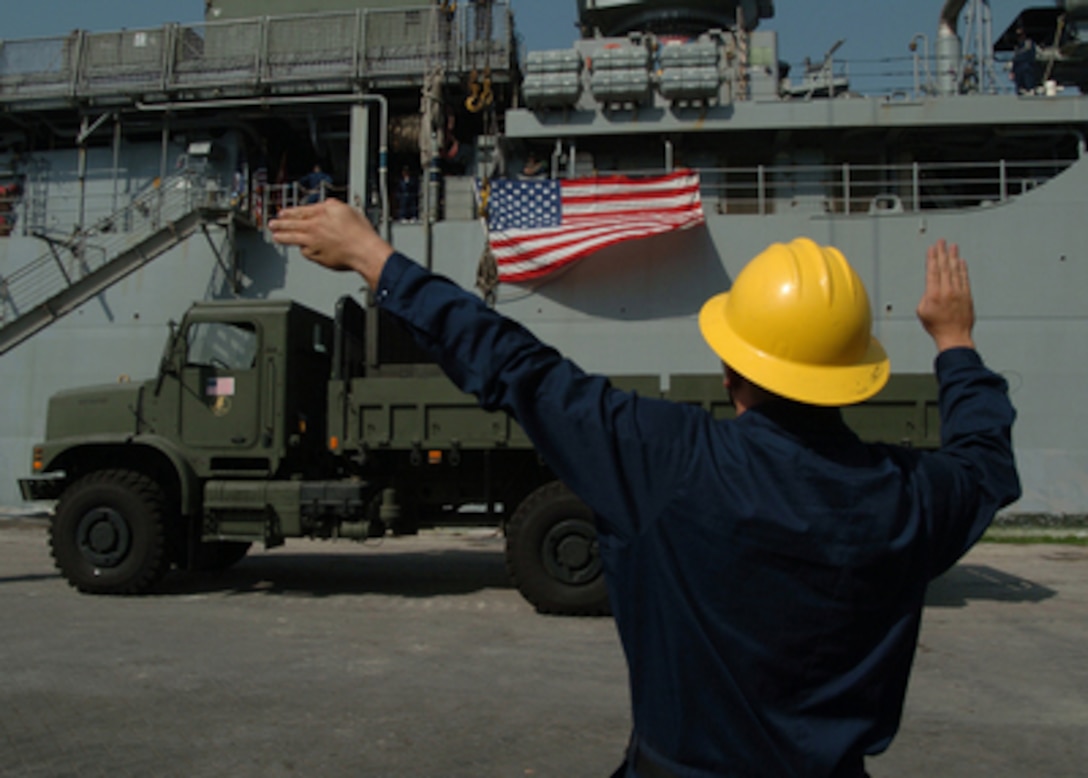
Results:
220 387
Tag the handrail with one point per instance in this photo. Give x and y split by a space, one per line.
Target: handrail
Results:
850 188
84 252
343 49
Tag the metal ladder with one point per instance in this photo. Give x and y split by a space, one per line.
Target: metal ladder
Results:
76 269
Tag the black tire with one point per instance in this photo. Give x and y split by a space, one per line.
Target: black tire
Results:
109 533
216 556
552 554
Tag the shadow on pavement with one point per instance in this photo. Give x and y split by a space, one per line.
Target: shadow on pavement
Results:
12 579
412 574
979 582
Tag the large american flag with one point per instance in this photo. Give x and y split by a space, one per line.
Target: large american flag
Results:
538 226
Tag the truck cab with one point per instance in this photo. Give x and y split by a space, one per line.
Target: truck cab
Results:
189 468
242 389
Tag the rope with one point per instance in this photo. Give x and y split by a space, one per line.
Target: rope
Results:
485 197
487 275
487 271
1057 42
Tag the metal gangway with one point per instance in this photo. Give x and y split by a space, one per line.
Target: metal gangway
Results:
78 267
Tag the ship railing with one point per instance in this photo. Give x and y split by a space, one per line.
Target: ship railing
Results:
311 52
850 189
81 252
55 205
845 189
267 199
59 201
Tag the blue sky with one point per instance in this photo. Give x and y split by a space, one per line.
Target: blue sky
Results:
875 31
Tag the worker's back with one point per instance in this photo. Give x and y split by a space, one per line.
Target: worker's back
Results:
770 608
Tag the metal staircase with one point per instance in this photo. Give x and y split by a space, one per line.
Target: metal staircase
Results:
81 266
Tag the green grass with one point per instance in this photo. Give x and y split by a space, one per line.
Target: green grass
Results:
1034 536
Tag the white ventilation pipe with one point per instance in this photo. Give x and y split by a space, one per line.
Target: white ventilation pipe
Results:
949 49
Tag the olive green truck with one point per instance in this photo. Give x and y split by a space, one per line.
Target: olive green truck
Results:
267 420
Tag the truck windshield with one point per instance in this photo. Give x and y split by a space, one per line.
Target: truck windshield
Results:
230 345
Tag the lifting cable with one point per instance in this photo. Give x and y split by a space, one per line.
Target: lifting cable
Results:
480 92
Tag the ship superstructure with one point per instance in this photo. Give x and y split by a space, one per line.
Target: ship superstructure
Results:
140 167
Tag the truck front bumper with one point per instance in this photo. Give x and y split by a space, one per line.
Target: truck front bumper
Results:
38 488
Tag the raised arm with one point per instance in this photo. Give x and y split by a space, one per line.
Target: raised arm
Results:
974 473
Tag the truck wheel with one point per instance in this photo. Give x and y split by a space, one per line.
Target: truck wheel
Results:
552 554
109 534
216 556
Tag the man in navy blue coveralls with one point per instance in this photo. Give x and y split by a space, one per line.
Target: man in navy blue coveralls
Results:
767 574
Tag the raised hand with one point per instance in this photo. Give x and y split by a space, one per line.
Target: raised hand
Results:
947 310
334 235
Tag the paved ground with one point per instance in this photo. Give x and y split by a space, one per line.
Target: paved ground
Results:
416 659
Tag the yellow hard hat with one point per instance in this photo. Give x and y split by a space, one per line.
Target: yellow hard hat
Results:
797 322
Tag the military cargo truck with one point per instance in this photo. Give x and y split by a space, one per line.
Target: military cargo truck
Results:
267 420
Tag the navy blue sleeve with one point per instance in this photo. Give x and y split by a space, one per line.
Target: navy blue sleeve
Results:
621 453
973 475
